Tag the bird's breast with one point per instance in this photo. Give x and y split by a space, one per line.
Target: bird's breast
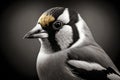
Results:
53 67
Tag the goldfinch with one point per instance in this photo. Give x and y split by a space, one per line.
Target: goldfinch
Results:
68 50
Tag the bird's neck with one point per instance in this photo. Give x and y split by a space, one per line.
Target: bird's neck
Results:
84 34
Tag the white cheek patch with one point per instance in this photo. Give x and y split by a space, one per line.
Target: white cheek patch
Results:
64 16
64 36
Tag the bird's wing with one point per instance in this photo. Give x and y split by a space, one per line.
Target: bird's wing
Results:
92 63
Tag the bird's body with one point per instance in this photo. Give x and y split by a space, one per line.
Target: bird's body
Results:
53 67
68 50
51 63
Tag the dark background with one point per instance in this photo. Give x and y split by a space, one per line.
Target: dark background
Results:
18 56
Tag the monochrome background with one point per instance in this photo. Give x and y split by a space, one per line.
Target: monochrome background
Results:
17 17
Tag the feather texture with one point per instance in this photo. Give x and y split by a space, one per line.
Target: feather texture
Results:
91 63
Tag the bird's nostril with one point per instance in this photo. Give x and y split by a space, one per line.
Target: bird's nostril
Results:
38 31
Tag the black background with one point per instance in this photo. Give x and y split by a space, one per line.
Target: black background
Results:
18 56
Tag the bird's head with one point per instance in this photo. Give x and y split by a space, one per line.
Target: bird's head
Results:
59 26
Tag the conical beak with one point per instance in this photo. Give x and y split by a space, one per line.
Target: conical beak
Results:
36 32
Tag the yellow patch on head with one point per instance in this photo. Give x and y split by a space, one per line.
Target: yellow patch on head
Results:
45 20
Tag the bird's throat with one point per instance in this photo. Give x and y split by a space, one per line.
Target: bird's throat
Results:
45 46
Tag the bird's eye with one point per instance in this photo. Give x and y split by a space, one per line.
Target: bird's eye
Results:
57 25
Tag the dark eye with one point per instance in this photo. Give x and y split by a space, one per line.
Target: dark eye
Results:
57 25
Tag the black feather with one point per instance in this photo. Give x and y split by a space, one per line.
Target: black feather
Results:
73 20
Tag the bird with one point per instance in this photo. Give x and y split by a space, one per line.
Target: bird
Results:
68 50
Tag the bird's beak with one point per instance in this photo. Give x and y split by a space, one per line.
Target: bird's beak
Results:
36 32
